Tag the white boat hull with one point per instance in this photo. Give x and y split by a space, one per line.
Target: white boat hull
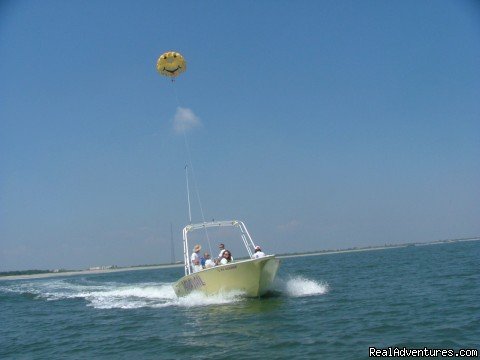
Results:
252 277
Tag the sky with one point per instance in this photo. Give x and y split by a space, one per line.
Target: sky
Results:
321 124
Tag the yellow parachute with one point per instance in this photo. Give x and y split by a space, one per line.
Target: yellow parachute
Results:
171 64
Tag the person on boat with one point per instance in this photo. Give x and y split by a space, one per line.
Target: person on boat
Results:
226 258
208 261
258 253
195 258
222 249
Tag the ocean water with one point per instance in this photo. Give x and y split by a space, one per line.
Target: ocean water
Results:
323 307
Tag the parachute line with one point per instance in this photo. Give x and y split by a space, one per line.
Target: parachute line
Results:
190 164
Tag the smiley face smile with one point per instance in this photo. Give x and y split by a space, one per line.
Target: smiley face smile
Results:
172 71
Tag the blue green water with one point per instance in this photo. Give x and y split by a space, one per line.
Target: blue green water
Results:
330 306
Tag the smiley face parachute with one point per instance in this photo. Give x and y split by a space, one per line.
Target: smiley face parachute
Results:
171 64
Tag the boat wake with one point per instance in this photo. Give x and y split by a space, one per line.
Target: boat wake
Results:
114 295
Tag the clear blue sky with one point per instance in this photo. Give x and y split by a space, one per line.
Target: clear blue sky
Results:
324 124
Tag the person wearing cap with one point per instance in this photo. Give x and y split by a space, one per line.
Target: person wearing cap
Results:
258 253
195 258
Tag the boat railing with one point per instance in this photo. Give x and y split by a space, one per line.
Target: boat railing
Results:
244 234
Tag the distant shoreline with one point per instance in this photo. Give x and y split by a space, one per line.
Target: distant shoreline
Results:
86 272
374 248
165 266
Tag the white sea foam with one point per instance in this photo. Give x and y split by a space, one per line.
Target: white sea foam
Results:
200 299
130 296
119 295
161 295
113 295
299 286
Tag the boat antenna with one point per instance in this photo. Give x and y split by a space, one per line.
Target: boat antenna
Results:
188 196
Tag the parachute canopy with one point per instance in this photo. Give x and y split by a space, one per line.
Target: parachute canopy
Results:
171 64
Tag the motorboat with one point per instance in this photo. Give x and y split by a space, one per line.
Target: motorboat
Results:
251 277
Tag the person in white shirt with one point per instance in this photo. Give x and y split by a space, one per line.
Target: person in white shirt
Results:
208 261
226 258
258 253
222 249
195 258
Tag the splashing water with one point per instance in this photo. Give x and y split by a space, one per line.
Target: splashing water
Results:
299 286
111 295
120 296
